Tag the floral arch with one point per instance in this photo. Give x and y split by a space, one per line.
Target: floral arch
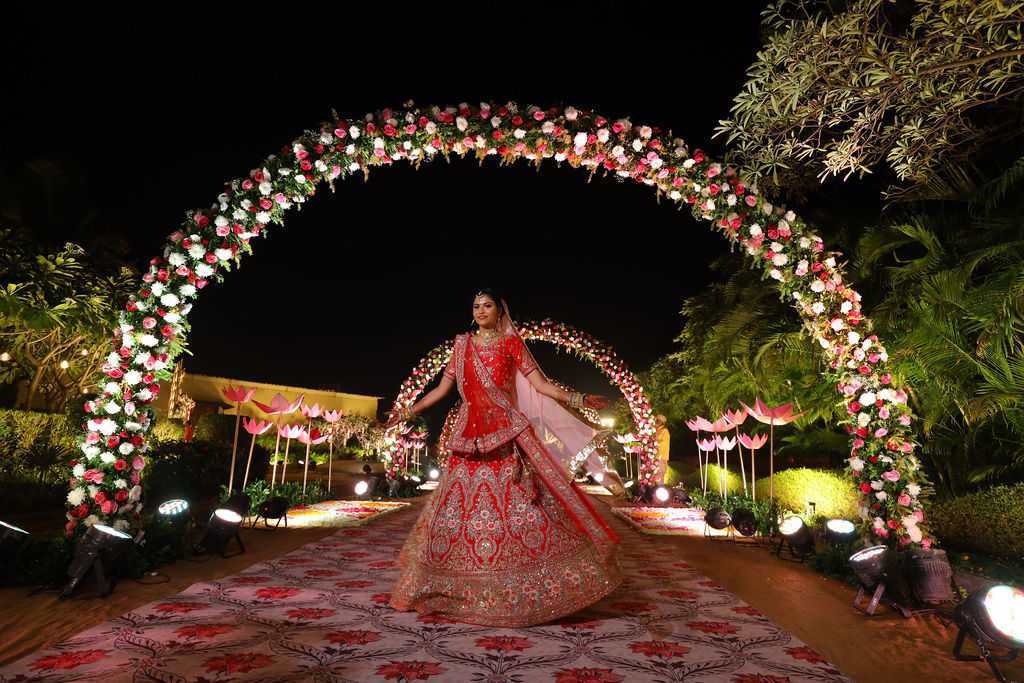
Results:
104 485
579 343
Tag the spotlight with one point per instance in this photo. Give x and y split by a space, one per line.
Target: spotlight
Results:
871 566
240 503
840 532
11 537
434 473
176 512
222 527
797 536
744 522
991 615
645 494
366 488
629 482
929 575
598 477
662 494
416 479
101 544
717 519
273 508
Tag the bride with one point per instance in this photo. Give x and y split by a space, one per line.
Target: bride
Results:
507 539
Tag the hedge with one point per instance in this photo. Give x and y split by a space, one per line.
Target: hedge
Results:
988 521
34 442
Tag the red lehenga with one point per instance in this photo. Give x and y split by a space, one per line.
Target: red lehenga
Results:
507 539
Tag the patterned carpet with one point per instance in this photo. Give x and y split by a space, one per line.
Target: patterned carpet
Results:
663 520
320 614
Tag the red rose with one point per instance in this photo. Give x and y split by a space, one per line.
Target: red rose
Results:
113 441
211 258
258 177
100 497
305 165
865 488
121 464
82 510
389 129
121 496
202 221
370 127
167 331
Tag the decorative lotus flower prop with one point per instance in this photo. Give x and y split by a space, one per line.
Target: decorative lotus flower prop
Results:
310 438
699 424
332 416
289 432
279 406
255 428
238 396
779 415
724 445
312 411
753 443
736 419
705 446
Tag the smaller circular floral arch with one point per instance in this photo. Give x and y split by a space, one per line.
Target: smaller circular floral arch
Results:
104 483
582 345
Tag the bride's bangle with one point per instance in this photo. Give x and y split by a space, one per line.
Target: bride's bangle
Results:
576 400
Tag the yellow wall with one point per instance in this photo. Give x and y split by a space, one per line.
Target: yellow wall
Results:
206 391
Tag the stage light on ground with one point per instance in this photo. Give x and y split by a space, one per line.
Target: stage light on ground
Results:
367 488
929 575
680 497
797 536
662 494
176 512
361 487
240 503
11 537
434 473
598 477
629 482
273 508
717 519
644 494
223 526
869 565
607 422
744 522
416 479
993 615
100 545
840 532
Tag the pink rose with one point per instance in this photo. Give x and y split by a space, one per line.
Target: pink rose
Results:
884 413
246 184
149 322
222 231
880 432
108 507
903 500
919 515
905 420
891 475
926 543
138 463
892 524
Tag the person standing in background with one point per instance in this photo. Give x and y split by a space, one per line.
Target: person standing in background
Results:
661 435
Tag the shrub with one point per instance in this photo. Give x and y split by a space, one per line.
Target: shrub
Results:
197 469
218 429
33 442
832 493
987 521
168 429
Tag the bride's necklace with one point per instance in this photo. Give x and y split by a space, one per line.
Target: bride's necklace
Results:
487 336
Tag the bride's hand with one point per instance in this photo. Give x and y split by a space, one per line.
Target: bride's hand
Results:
394 418
595 401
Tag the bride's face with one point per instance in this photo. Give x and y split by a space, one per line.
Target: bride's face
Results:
486 312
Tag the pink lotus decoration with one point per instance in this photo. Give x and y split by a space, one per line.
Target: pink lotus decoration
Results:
309 438
279 406
238 396
312 411
753 443
699 424
779 415
289 432
331 416
705 445
736 419
255 428
724 445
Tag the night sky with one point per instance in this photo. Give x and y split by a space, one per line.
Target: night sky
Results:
154 113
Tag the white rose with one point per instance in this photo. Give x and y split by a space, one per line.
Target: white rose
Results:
78 470
846 307
90 520
915 534
125 447
547 127
863 419
222 254
120 483
817 286
867 398
172 317
76 496
354 132
176 258
266 188
112 408
775 274
107 457
157 288
240 214
135 493
580 140
602 135
170 300
780 259
148 340
197 251
204 270
913 489
755 230
856 464
638 144
852 338
881 495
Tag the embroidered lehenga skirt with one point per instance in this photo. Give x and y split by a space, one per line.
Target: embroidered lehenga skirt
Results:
494 546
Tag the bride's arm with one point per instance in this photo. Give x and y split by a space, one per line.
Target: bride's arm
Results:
442 389
543 386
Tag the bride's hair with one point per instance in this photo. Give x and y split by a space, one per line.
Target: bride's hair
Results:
491 293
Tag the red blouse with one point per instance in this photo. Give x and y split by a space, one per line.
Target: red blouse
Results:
501 358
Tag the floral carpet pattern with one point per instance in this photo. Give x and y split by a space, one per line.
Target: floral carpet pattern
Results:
663 520
341 512
321 614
